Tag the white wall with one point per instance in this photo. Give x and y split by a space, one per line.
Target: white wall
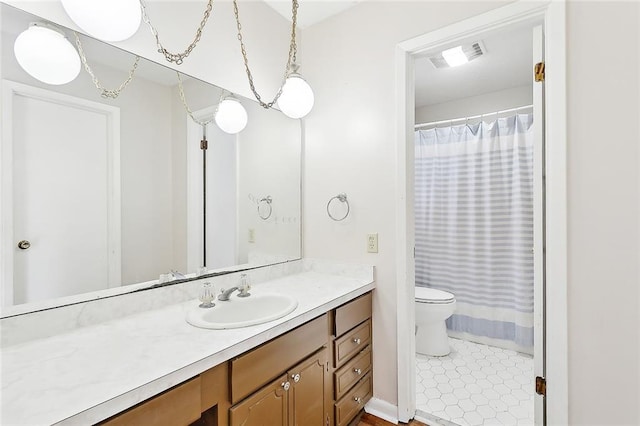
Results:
603 204
475 105
351 147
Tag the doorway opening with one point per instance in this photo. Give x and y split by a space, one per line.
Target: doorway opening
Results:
553 232
475 175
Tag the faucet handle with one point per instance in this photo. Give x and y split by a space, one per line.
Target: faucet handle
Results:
244 286
207 295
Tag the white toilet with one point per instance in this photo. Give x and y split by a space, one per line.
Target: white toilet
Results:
433 307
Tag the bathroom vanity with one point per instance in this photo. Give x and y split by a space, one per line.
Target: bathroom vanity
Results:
312 366
317 374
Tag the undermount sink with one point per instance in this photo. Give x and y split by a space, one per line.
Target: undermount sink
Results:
240 312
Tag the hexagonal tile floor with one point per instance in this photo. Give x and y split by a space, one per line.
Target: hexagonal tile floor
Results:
476 385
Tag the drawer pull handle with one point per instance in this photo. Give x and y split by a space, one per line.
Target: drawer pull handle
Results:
358 400
357 340
286 385
357 371
295 377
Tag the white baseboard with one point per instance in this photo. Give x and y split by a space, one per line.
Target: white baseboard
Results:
382 409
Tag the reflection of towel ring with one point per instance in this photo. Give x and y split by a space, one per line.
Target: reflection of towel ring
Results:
342 198
268 201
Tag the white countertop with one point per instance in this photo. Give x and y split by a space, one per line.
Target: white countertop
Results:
91 373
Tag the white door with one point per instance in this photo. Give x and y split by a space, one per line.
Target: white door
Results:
538 223
62 155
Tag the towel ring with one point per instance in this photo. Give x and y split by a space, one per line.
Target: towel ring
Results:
267 200
343 199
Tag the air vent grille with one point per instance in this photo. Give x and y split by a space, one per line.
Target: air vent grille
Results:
473 51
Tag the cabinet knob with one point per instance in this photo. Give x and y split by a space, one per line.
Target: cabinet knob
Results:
286 385
24 245
357 341
358 400
357 371
295 377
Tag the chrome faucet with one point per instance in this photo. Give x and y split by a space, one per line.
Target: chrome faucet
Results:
243 289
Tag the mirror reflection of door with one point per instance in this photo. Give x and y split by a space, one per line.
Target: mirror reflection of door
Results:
64 195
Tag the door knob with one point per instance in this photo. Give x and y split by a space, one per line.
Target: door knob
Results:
24 244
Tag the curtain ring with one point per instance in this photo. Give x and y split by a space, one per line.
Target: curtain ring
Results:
268 201
342 197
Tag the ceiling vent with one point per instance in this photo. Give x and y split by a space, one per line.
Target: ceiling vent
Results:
471 51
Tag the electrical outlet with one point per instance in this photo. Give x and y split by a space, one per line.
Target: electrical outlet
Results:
372 243
252 235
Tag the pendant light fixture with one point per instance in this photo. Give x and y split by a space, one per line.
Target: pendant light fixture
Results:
108 20
230 116
297 97
45 54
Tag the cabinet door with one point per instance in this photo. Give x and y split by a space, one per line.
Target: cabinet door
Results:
266 407
309 405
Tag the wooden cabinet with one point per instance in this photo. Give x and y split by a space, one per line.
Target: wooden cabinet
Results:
295 398
253 369
271 402
177 406
309 379
352 377
319 373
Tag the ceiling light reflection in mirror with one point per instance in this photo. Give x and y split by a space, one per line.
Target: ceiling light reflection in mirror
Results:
44 52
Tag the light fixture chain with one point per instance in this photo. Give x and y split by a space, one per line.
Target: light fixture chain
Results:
178 58
186 106
291 59
105 93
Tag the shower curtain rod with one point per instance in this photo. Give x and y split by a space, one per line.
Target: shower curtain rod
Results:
435 123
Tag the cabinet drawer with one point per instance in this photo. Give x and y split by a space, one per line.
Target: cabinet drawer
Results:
351 372
177 406
351 343
352 314
353 401
257 367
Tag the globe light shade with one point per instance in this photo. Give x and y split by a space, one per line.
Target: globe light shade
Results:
297 98
46 54
231 117
108 20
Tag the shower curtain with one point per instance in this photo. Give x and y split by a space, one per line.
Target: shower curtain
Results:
474 224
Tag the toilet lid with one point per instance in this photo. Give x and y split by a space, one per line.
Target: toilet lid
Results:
431 295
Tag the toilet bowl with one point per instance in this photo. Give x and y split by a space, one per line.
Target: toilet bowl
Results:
433 307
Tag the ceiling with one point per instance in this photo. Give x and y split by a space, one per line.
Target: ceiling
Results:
311 11
507 63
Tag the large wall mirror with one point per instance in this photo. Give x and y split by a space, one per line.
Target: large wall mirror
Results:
105 195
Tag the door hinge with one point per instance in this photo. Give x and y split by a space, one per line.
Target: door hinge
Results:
541 386
204 144
538 72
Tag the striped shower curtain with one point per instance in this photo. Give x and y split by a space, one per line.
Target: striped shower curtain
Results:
474 225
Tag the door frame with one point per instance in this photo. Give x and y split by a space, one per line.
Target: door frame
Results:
11 90
552 13
194 189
